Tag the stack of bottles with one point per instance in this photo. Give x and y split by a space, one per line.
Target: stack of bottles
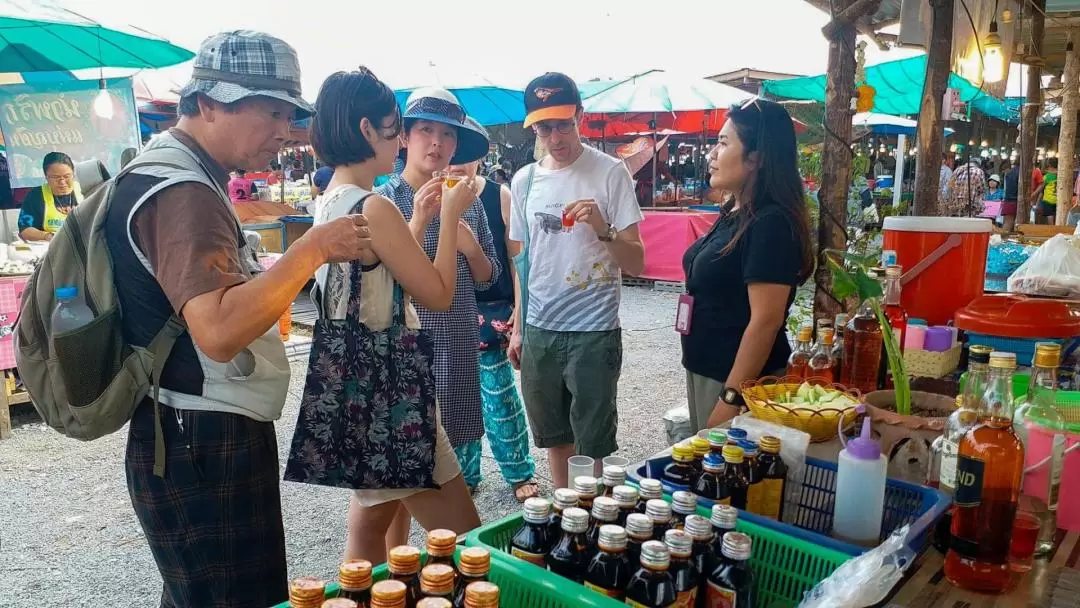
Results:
440 583
637 548
998 522
732 470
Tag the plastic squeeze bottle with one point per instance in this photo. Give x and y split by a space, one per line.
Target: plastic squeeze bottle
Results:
860 489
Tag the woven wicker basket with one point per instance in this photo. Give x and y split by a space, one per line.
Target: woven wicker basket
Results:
821 424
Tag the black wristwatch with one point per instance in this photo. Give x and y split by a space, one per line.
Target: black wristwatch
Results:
732 397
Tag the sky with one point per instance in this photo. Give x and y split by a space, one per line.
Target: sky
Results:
423 42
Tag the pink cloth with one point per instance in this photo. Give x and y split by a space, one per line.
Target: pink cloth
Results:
240 189
666 236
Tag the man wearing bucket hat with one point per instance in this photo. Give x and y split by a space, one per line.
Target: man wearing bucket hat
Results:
202 470
436 134
569 283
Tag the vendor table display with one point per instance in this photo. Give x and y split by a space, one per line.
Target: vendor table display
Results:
11 290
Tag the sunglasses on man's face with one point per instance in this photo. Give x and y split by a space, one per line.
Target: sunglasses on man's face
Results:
544 129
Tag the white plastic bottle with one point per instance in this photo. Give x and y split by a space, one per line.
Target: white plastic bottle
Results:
860 489
71 311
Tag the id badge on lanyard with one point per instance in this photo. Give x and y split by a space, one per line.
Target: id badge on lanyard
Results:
684 313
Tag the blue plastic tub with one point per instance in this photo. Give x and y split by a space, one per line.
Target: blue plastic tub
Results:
905 503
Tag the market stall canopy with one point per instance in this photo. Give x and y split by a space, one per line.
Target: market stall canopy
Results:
36 35
886 124
486 104
899 86
659 91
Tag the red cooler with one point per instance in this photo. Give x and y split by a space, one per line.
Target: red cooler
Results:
944 261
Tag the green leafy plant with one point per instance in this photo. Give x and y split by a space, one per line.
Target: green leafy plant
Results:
851 279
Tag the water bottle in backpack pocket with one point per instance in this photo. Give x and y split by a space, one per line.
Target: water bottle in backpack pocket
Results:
71 311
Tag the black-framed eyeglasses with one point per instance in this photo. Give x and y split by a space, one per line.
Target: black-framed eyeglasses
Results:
544 129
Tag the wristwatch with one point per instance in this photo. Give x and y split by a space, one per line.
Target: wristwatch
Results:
732 397
608 236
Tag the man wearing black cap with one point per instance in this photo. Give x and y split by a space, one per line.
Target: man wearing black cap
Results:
575 216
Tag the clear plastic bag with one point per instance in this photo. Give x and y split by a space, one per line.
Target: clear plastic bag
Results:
1053 270
864 580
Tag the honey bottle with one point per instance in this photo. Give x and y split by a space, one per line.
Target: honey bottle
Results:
708 486
681 470
820 365
683 504
564 498
701 448
474 567
701 531
683 571
766 497
639 531
604 511
799 362
404 566
570 556
652 585
660 514
627 498
533 539
434 602
586 489
648 489
613 476
441 546
437 580
732 582
354 578
482 595
609 570
733 484
307 592
389 594
339 602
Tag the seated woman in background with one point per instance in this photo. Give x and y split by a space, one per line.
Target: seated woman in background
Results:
44 209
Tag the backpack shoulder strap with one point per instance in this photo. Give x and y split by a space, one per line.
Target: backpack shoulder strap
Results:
160 348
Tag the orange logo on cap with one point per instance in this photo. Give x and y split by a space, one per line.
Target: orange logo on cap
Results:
543 94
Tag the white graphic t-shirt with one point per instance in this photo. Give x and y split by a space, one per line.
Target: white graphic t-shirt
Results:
573 279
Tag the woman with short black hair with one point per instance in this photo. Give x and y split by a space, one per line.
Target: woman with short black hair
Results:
44 209
742 275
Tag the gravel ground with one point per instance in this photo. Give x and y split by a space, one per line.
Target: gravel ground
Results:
68 535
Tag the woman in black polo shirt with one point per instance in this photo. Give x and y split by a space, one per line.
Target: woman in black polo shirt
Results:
741 276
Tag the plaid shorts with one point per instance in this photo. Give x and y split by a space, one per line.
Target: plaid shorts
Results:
214 522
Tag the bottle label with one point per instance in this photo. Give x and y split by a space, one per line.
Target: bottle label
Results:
717 596
615 593
1057 455
532 558
947 472
686 599
969 481
764 498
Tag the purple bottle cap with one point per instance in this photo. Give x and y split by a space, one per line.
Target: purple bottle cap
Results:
864 447
938 339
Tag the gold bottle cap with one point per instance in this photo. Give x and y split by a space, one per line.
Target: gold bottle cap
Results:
441 543
733 454
827 336
388 592
307 591
805 333
481 595
682 452
894 272
404 560
475 561
437 579
339 602
355 574
1047 354
434 602
1002 360
700 445
769 444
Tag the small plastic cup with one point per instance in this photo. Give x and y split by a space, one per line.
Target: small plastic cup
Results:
616 461
578 466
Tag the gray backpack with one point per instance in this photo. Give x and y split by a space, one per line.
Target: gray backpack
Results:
86 383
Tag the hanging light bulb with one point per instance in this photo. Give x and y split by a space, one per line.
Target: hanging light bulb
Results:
1006 16
103 106
993 60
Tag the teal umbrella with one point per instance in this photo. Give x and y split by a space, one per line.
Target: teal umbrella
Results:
37 36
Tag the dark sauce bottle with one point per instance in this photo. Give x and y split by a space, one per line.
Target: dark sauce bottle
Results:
660 514
404 566
569 557
681 470
609 570
533 539
638 532
649 489
474 564
586 489
731 583
613 477
766 497
354 579
710 484
683 504
627 499
683 571
700 530
652 585
733 483
724 519
605 511
564 498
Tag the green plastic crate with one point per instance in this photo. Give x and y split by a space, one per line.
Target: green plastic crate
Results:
1068 402
518 587
785 567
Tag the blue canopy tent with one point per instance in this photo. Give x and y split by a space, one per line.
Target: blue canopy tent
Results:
487 105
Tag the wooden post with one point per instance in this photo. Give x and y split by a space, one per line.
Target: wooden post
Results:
930 132
835 161
1029 116
1067 137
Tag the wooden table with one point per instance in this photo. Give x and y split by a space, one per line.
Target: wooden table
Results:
926 586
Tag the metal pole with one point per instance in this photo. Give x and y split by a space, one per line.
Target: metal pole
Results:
898 179
652 191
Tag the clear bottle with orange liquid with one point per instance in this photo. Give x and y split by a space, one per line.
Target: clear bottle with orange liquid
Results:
862 350
799 360
821 361
838 346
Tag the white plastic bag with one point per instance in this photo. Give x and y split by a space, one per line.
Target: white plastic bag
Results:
1053 270
864 580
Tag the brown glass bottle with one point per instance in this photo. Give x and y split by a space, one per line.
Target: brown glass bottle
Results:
660 514
533 539
701 448
563 499
731 583
683 503
404 566
639 531
733 485
569 557
340 602
648 489
708 486
609 570
586 489
482 595
766 497
862 351
441 546
437 580
627 498
473 567
307 592
652 585
799 362
389 594
605 511
354 578
613 476
990 467
683 571
700 530
681 470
